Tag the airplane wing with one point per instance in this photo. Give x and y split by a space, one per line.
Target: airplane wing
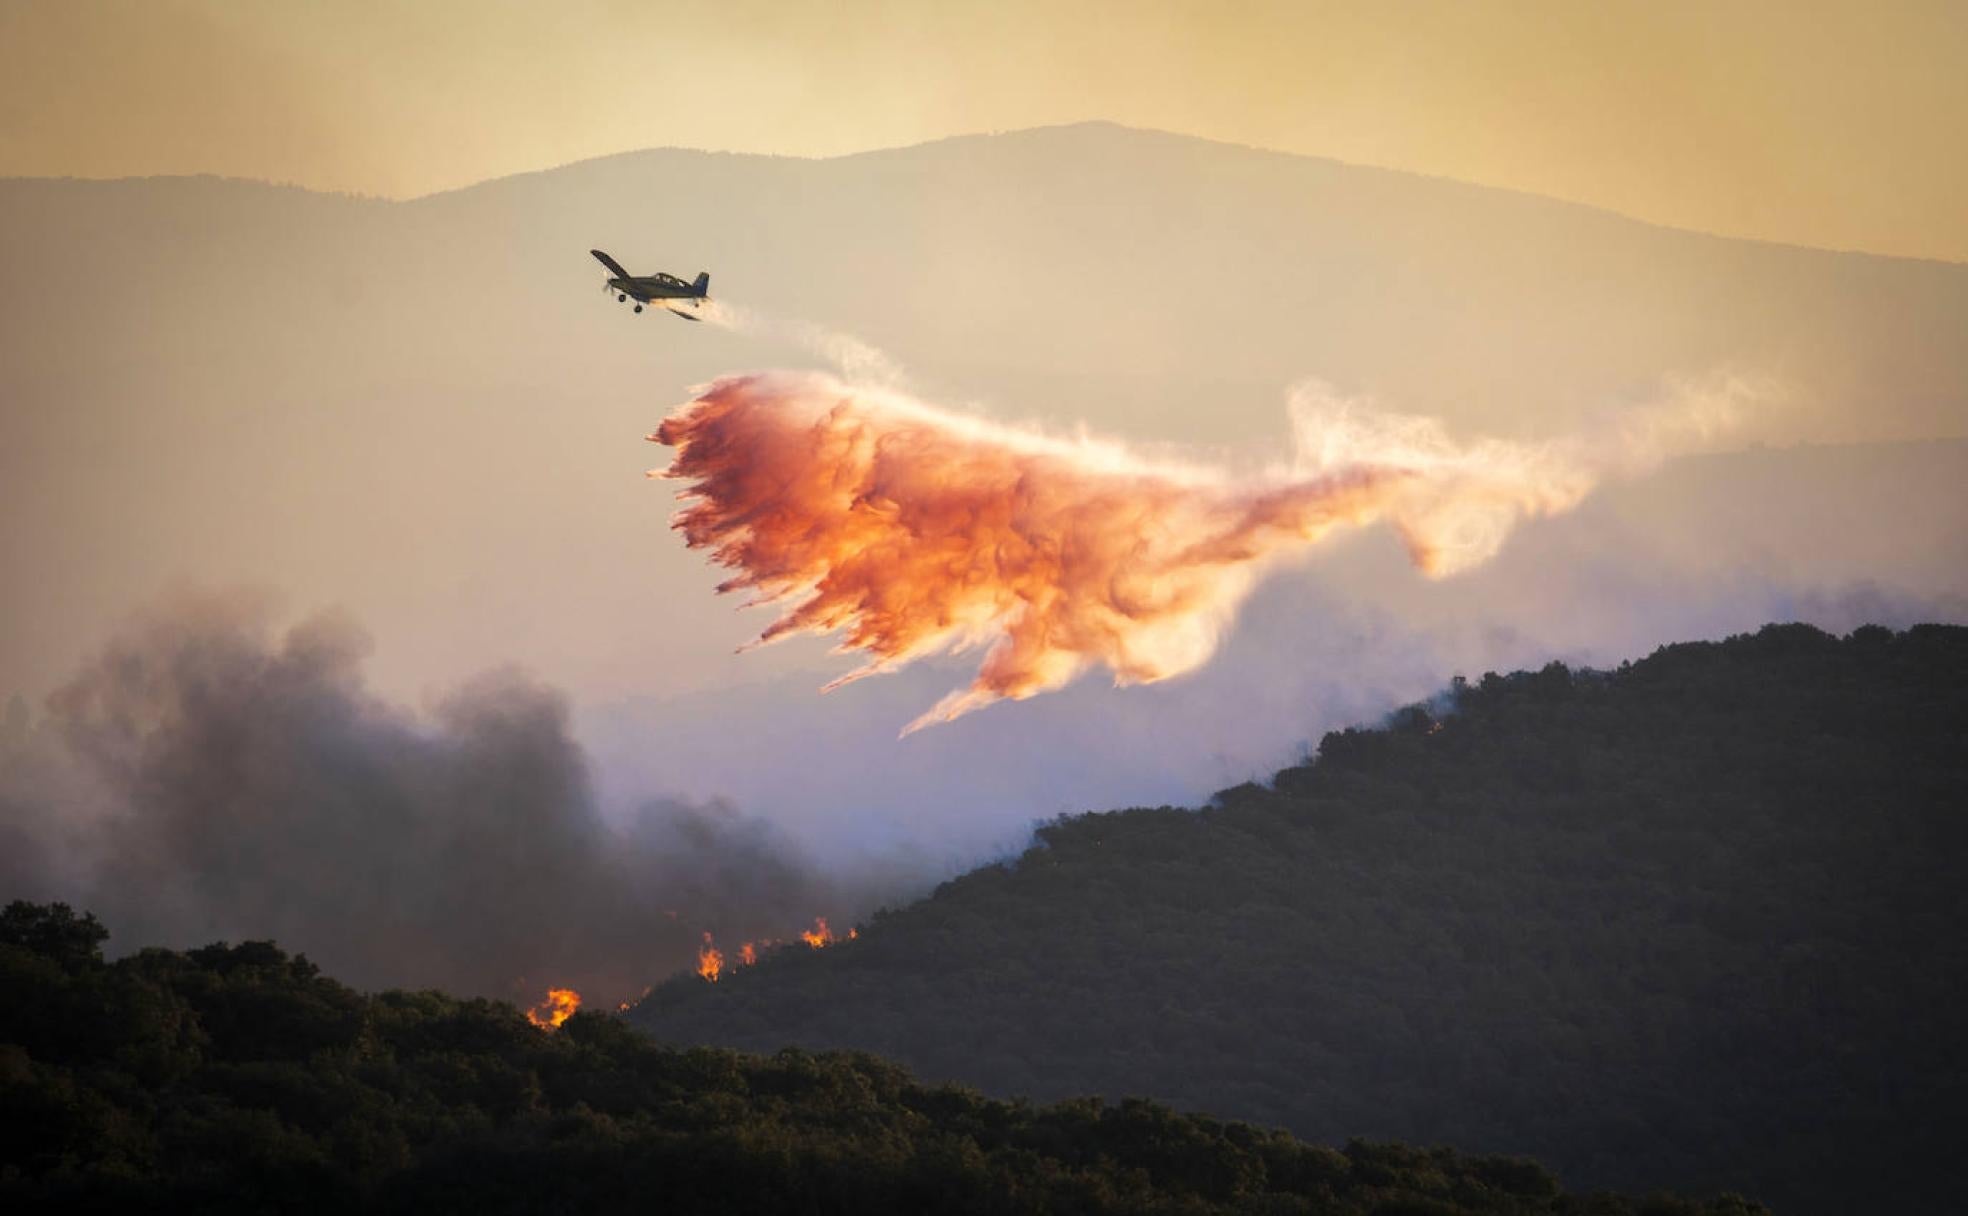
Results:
614 267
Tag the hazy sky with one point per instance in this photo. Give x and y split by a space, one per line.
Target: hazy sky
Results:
1837 125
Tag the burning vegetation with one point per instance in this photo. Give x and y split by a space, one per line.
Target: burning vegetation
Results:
820 935
557 1008
712 962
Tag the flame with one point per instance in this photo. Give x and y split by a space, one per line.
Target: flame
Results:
557 1008
819 935
710 960
912 530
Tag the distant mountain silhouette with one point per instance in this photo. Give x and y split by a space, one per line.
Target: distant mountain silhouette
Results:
1694 922
428 411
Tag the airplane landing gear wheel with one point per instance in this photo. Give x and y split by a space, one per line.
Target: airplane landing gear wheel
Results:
638 308
620 299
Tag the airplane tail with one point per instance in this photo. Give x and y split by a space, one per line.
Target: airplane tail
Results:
703 284
614 267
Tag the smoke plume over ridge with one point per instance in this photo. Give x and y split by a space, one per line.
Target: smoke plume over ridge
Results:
913 530
207 776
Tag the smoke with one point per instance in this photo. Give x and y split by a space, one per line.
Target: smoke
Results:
206 777
912 530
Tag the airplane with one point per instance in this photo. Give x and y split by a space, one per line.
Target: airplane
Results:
665 289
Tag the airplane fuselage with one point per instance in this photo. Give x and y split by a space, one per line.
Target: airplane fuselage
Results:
671 295
681 298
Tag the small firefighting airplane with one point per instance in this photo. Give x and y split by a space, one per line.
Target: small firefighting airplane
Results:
681 298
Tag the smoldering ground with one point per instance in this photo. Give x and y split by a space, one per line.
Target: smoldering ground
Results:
209 776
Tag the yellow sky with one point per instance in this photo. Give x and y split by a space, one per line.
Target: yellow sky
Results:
1839 125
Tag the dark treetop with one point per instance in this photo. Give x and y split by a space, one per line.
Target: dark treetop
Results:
238 1078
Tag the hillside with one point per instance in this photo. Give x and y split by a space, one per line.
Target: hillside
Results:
1696 921
238 1078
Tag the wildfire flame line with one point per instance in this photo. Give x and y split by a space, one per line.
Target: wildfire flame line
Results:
912 530
712 962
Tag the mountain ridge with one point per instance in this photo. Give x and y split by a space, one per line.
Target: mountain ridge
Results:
964 140
1692 914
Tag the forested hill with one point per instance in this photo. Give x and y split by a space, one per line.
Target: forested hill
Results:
240 1079
1696 922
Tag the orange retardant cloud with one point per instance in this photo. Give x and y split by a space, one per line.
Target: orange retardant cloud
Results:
911 530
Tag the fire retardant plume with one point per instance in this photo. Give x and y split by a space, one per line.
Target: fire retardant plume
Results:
912 530
859 361
207 777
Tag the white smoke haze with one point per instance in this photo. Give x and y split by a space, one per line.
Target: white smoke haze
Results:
1462 499
1706 546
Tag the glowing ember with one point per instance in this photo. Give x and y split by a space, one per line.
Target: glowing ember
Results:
557 1008
915 531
